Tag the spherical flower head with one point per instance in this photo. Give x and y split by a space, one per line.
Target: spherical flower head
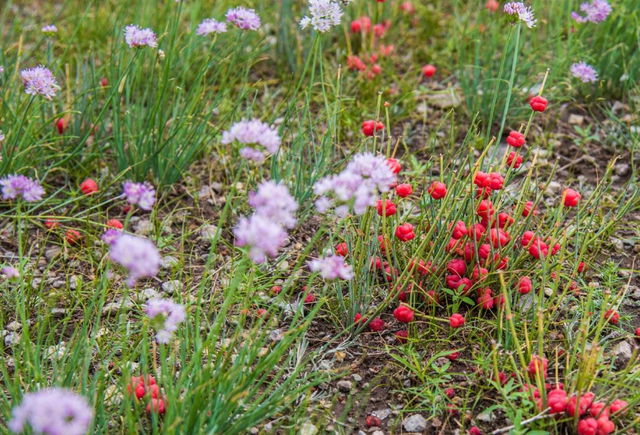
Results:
138 255
142 194
519 12
49 30
331 268
595 12
165 315
242 18
584 72
137 37
325 14
39 81
261 235
53 411
19 185
209 25
263 140
273 201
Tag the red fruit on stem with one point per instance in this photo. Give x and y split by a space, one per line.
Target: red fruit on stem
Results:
89 186
515 139
612 317
276 289
377 325
115 224
524 285
438 190
51 224
404 190
538 103
310 298
580 406
394 165
403 314
475 430
72 236
104 82
372 421
557 400
428 70
456 320
61 125
513 160
402 336
405 232
356 26
370 127
156 405
571 198
385 207
588 426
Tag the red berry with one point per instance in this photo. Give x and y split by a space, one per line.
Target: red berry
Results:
104 82
51 224
457 267
481 179
89 186
404 190
428 70
580 406
514 161
403 314
72 236
157 405
115 224
538 103
588 426
456 320
618 406
342 249
571 198
485 300
475 430
538 365
529 208
605 426
453 356
377 325
389 207
538 249
492 6
515 139
485 209
276 289
459 230
557 401
372 420
310 298
524 285
61 125
612 317
438 190
402 336
394 165
370 127
356 26
405 232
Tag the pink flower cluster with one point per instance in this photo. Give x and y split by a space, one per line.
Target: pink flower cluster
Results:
39 81
52 411
19 185
137 37
166 315
263 140
264 232
331 268
357 187
138 255
142 194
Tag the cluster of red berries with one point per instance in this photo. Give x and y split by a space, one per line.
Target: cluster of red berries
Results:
594 417
145 388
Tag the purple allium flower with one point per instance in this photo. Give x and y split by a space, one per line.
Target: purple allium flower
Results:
16 185
273 201
331 268
39 81
325 14
584 72
1 133
10 272
166 315
253 132
209 26
50 30
111 235
520 12
138 255
595 12
357 186
142 194
261 235
53 411
135 36
245 19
